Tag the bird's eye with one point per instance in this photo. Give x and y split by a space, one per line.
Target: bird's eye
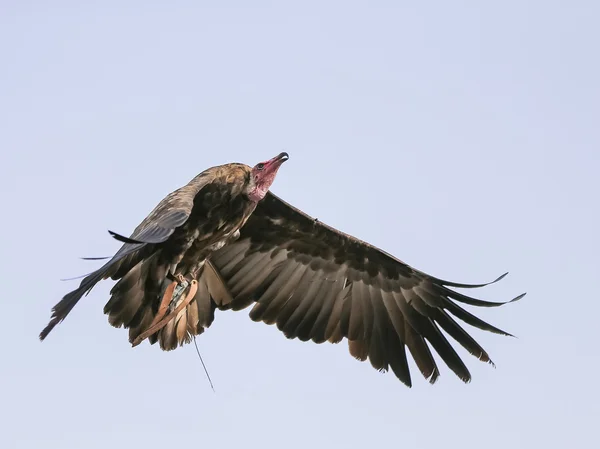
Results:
260 166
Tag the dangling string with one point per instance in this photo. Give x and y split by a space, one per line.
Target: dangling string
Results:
203 365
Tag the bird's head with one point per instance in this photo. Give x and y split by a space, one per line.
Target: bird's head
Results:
262 176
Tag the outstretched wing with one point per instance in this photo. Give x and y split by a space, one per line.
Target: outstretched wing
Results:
172 212
317 283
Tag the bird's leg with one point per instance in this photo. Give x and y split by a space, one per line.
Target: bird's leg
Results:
172 292
165 301
177 277
159 324
182 285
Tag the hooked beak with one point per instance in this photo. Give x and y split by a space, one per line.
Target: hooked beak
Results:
281 157
278 160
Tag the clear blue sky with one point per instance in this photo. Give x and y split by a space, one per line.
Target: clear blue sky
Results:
462 137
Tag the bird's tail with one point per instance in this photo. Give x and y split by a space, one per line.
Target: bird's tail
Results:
121 260
64 307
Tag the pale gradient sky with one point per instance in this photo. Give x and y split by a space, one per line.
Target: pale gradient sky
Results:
459 136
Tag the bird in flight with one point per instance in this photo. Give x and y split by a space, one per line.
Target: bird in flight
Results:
224 241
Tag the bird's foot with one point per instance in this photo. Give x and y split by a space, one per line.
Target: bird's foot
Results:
160 321
180 278
170 298
180 288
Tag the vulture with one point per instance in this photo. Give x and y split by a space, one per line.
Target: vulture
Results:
224 241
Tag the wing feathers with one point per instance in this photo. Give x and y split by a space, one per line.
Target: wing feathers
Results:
292 312
471 319
216 285
278 291
397 356
249 285
326 295
379 348
319 329
415 342
303 317
353 309
459 334
319 284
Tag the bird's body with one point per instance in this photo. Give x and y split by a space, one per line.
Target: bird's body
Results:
215 217
224 242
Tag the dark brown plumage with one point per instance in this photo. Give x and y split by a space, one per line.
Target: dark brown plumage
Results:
224 242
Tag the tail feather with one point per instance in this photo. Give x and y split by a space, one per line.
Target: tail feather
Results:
167 338
144 319
64 307
137 290
127 297
126 307
181 331
193 317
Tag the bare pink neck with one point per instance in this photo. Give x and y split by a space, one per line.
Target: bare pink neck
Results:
258 193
